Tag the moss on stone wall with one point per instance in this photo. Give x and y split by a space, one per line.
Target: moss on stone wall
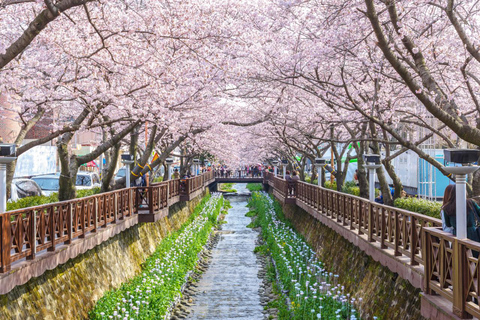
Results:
383 293
71 290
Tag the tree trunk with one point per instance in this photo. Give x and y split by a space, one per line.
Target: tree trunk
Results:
10 174
384 188
68 174
362 173
112 164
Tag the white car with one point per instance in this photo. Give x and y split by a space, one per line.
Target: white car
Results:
120 173
87 180
49 183
22 188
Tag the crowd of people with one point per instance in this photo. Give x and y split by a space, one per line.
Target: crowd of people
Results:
251 171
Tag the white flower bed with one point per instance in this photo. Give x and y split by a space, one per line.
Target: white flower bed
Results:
150 294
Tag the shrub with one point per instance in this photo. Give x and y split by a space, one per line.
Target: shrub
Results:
226 187
40 200
87 192
331 185
429 208
31 202
254 187
158 179
351 188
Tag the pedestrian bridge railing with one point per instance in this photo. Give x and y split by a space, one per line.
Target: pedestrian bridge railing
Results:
449 266
24 233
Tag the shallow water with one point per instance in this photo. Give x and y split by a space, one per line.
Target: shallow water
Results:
229 287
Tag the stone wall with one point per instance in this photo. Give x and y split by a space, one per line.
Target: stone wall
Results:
71 290
384 293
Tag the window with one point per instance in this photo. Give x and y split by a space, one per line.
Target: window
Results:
83 180
27 189
50 184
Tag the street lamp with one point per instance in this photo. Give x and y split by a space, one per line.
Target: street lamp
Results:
169 162
5 151
275 164
372 163
284 165
465 157
319 163
127 160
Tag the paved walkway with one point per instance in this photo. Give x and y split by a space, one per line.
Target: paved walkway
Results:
229 288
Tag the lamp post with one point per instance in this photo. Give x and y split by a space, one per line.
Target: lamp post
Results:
372 164
319 163
284 165
465 157
5 151
127 160
169 162
275 164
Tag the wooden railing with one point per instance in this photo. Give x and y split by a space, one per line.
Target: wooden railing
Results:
26 232
152 198
450 265
452 270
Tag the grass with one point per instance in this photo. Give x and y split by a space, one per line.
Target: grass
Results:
254 187
40 200
226 187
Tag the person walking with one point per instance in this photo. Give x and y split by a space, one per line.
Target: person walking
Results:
176 175
294 180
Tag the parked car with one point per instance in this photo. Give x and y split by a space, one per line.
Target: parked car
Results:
22 188
50 182
87 180
120 173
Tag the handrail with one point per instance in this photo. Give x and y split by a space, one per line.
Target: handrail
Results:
28 231
451 266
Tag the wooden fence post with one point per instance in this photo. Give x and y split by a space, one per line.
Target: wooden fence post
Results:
115 206
6 240
459 280
51 214
33 234
370 222
413 241
95 215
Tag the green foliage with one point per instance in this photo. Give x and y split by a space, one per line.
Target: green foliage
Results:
31 202
226 187
254 187
308 179
251 214
263 249
87 192
158 179
331 185
429 208
351 188
40 200
151 293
